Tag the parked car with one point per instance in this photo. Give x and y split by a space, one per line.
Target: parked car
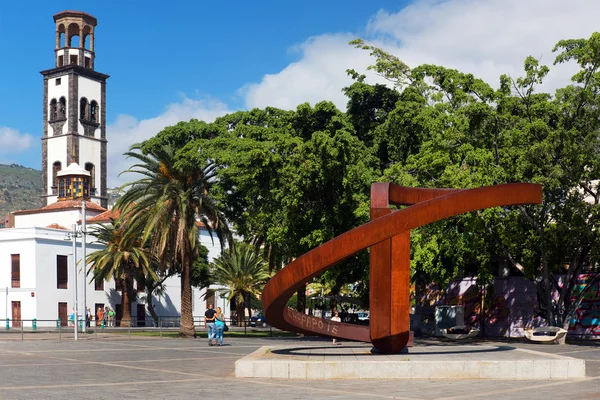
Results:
258 320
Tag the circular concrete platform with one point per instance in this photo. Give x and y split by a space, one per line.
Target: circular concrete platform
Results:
429 362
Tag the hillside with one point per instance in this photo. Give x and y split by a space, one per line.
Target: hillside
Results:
20 188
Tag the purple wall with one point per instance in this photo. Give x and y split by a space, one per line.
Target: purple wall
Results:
514 303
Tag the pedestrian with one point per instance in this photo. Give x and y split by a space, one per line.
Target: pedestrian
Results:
72 318
99 316
88 316
209 321
105 316
219 325
111 317
335 318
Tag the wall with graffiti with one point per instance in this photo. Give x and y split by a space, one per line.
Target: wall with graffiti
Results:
511 304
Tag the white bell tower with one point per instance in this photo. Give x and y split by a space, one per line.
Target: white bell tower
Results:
74 109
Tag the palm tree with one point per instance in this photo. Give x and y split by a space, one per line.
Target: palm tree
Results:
244 272
167 203
123 258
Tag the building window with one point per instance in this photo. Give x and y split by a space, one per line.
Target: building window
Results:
62 108
118 285
74 187
94 111
98 284
53 110
62 272
61 61
15 260
88 62
73 59
57 81
90 168
83 109
56 167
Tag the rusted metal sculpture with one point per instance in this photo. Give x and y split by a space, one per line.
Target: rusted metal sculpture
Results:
388 236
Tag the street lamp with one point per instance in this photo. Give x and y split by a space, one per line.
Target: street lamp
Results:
83 244
73 236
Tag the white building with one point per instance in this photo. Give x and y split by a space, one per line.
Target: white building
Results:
37 265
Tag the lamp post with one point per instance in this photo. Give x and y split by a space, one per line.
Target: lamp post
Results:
84 263
74 239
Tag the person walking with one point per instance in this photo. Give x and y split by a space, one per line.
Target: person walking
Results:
209 321
220 326
335 318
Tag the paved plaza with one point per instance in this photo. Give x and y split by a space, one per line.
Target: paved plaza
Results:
114 367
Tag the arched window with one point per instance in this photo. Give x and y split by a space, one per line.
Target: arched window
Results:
94 111
90 168
83 109
56 167
62 108
53 110
73 35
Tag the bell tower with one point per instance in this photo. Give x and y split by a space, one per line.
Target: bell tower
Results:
74 109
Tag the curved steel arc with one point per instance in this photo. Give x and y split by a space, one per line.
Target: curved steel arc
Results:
431 205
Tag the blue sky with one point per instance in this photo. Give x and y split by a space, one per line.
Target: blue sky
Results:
172 61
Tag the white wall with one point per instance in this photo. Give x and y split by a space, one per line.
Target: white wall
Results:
65 218
57 151
91 90
39 248
24 245
89 151
56 92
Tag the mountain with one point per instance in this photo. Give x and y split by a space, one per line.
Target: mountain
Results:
20 188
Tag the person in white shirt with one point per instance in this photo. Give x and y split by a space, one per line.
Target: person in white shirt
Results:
335 318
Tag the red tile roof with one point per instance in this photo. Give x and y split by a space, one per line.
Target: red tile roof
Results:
57 226
62 205
104 217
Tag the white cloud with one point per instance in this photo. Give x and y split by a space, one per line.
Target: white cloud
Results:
485 37
127 130
12 141
319 75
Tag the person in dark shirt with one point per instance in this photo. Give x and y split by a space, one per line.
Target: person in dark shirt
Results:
209 320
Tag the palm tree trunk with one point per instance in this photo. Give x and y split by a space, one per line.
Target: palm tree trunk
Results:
186 325
126 300
150 305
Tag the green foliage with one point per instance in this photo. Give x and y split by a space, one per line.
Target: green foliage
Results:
166 205
20 188
243 271
124 257
466 134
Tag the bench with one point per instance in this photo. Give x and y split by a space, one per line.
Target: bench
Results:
545 334
460 332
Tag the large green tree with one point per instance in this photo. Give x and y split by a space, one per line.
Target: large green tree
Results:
476 135
167 204
124 257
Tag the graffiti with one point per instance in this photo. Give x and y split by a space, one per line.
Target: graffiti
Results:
513 304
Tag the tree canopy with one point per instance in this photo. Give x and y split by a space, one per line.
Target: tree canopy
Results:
289 180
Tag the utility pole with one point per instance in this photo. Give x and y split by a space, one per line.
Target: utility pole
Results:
74 238
84 263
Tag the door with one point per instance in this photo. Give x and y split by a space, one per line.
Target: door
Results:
141 315
118 314
62 314
16 314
